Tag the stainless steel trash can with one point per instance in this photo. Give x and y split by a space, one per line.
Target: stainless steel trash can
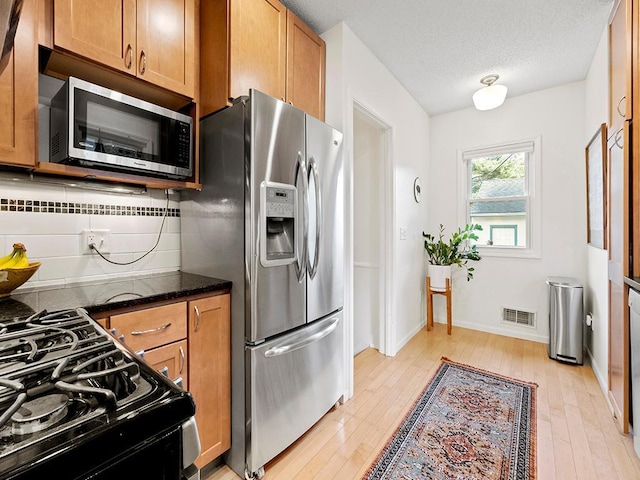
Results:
565 319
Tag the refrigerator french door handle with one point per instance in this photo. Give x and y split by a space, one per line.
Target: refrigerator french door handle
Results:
313 169
290 347
301 261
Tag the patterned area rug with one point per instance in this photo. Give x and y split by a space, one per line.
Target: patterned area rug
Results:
468 424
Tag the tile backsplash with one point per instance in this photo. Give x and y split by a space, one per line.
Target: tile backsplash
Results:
49 220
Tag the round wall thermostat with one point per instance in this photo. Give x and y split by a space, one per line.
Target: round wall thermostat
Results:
417 189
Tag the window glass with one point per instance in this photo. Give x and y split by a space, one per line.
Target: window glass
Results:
497 197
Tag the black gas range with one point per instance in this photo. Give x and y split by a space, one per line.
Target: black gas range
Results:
76 404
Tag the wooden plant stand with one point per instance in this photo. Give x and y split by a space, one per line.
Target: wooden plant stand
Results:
430 293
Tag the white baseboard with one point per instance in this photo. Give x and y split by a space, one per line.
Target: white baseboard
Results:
409 336
507 332
602 380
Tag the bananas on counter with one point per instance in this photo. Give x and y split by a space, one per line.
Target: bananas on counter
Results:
16 259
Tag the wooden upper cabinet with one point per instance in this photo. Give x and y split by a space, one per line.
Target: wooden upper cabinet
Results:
19 93
306 58
620 65
153 40
166 44
259 44
257 47
101 30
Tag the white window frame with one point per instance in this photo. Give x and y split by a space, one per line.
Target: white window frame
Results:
534 205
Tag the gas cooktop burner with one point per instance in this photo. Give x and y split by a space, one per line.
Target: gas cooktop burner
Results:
56 372
75 400
39 414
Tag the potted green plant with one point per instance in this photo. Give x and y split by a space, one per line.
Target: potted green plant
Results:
456 251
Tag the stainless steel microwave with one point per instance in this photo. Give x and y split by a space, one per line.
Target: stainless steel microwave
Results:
96 127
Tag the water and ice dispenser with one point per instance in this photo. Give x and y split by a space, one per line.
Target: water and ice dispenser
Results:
277 224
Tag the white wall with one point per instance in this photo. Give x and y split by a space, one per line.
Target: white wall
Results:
54 237
557 116
368 263
596 291
354 74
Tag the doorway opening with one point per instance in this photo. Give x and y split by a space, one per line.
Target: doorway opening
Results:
371 228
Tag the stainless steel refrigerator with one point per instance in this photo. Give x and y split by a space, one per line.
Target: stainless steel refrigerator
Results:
270 219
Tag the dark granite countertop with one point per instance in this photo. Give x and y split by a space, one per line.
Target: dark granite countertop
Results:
633 282
101 296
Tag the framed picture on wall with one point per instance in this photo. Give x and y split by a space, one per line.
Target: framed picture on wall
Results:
596 159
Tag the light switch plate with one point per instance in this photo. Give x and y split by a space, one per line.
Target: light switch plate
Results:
403 233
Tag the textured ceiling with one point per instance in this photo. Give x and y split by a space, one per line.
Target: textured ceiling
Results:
439 49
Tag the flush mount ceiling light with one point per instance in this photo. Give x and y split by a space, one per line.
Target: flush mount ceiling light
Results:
491 96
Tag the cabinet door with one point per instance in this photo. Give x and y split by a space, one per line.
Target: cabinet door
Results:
166 44
618 267
100 30
258 47
210 373
173 357
306 57
151 327
620 105
19 93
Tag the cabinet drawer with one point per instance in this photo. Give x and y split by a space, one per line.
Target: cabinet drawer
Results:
152 327
173 357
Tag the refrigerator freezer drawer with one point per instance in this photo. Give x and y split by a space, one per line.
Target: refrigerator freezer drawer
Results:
294 380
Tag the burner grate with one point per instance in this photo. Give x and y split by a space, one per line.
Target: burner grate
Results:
64 365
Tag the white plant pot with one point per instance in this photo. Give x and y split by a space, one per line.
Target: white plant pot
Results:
438 275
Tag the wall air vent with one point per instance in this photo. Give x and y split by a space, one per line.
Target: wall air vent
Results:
519 317
55 144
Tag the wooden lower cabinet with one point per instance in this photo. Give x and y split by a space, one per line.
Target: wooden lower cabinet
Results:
617 269
151 327
173 357
210 373
192 339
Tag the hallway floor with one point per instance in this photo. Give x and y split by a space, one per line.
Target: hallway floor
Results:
577 435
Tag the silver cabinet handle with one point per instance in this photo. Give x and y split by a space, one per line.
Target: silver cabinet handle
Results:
618 106
619 133
143 62
197 310
313 169
290 347
301 171
152 330
181 360
129 54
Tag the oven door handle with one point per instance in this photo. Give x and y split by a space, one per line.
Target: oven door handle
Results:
151 330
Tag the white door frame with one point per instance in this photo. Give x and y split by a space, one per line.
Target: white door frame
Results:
388 220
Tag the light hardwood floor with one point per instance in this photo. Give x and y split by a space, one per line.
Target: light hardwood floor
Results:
577 436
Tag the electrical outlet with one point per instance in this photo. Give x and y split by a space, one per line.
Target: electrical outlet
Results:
101 238
403 233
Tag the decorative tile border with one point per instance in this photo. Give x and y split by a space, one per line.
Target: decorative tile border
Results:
41 206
